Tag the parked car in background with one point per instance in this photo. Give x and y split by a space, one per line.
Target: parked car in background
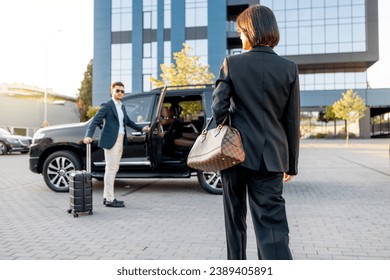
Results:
176 117
13 143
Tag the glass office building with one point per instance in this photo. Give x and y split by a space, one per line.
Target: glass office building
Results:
333 42
324 27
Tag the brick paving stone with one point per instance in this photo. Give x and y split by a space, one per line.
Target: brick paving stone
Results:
337 207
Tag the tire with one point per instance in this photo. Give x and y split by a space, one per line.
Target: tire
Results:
57 168
3 148
210 182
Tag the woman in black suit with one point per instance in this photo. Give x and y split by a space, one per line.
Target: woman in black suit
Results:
260 91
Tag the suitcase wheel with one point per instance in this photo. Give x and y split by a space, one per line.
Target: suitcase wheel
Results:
90 212
69 211
75 215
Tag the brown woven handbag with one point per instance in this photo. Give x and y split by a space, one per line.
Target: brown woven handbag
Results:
217 149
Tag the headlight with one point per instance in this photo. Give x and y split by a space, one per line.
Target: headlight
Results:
38 136
13 140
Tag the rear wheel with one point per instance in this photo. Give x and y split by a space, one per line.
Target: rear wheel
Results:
57 169
210 182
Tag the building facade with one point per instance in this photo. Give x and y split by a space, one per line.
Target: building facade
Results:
333 42
22 108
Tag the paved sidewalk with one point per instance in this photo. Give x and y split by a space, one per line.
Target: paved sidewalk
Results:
338 208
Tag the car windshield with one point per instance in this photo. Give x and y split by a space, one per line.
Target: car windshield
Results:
4 132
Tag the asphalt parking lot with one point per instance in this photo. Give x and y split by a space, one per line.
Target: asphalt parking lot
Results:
338 208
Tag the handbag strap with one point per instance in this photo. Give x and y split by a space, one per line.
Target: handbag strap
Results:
204 131
227 117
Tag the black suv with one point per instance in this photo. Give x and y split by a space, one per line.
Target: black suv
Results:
176 117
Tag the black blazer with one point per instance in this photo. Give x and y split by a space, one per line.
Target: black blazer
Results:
261 91
108 113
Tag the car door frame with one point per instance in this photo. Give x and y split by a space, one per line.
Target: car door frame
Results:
155 140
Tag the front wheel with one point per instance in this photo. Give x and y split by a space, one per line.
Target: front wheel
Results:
210 182
57 169
3 148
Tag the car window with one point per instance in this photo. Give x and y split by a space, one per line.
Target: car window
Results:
138 109
4 132
191 110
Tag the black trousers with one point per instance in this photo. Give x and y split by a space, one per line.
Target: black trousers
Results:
267 205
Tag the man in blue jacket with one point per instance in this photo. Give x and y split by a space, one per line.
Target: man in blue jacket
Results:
112 138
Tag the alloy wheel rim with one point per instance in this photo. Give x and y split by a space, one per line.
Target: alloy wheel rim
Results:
213 179
59 170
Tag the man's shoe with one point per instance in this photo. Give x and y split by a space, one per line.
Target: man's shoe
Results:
105 201
115 203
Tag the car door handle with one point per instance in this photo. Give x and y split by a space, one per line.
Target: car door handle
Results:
136 133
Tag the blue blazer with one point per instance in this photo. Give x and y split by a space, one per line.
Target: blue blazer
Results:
109 115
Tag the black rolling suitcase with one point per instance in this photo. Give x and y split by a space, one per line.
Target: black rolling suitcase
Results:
80 188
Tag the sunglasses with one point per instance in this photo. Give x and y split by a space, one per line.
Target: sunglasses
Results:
120 91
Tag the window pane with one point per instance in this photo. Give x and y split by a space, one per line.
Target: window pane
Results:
292 4
318 13
292 15
292 36
126 22
359 47
346 12
146 82
115 51
147 50
359 33
358 11
116 22
138 109
344 2
280 15
278 5
292 50
318 3
318 48
345 47
126 51
147 20
305 49
332 34
345 33
167 53
304 14
331 12
305 35
318 34
332 48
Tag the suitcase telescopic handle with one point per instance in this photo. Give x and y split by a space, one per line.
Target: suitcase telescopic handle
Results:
88 159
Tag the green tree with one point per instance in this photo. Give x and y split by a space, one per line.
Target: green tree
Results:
330 116
84 98
92 111
187 71
349 108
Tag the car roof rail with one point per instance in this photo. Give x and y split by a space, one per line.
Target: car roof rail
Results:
189 86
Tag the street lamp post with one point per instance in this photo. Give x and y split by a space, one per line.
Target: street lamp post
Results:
45 120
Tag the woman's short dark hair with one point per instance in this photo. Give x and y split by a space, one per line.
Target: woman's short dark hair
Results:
259 25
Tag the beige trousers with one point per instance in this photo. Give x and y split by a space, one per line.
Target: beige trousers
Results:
113 157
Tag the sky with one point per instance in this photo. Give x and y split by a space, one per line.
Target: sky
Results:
50 42
33 32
